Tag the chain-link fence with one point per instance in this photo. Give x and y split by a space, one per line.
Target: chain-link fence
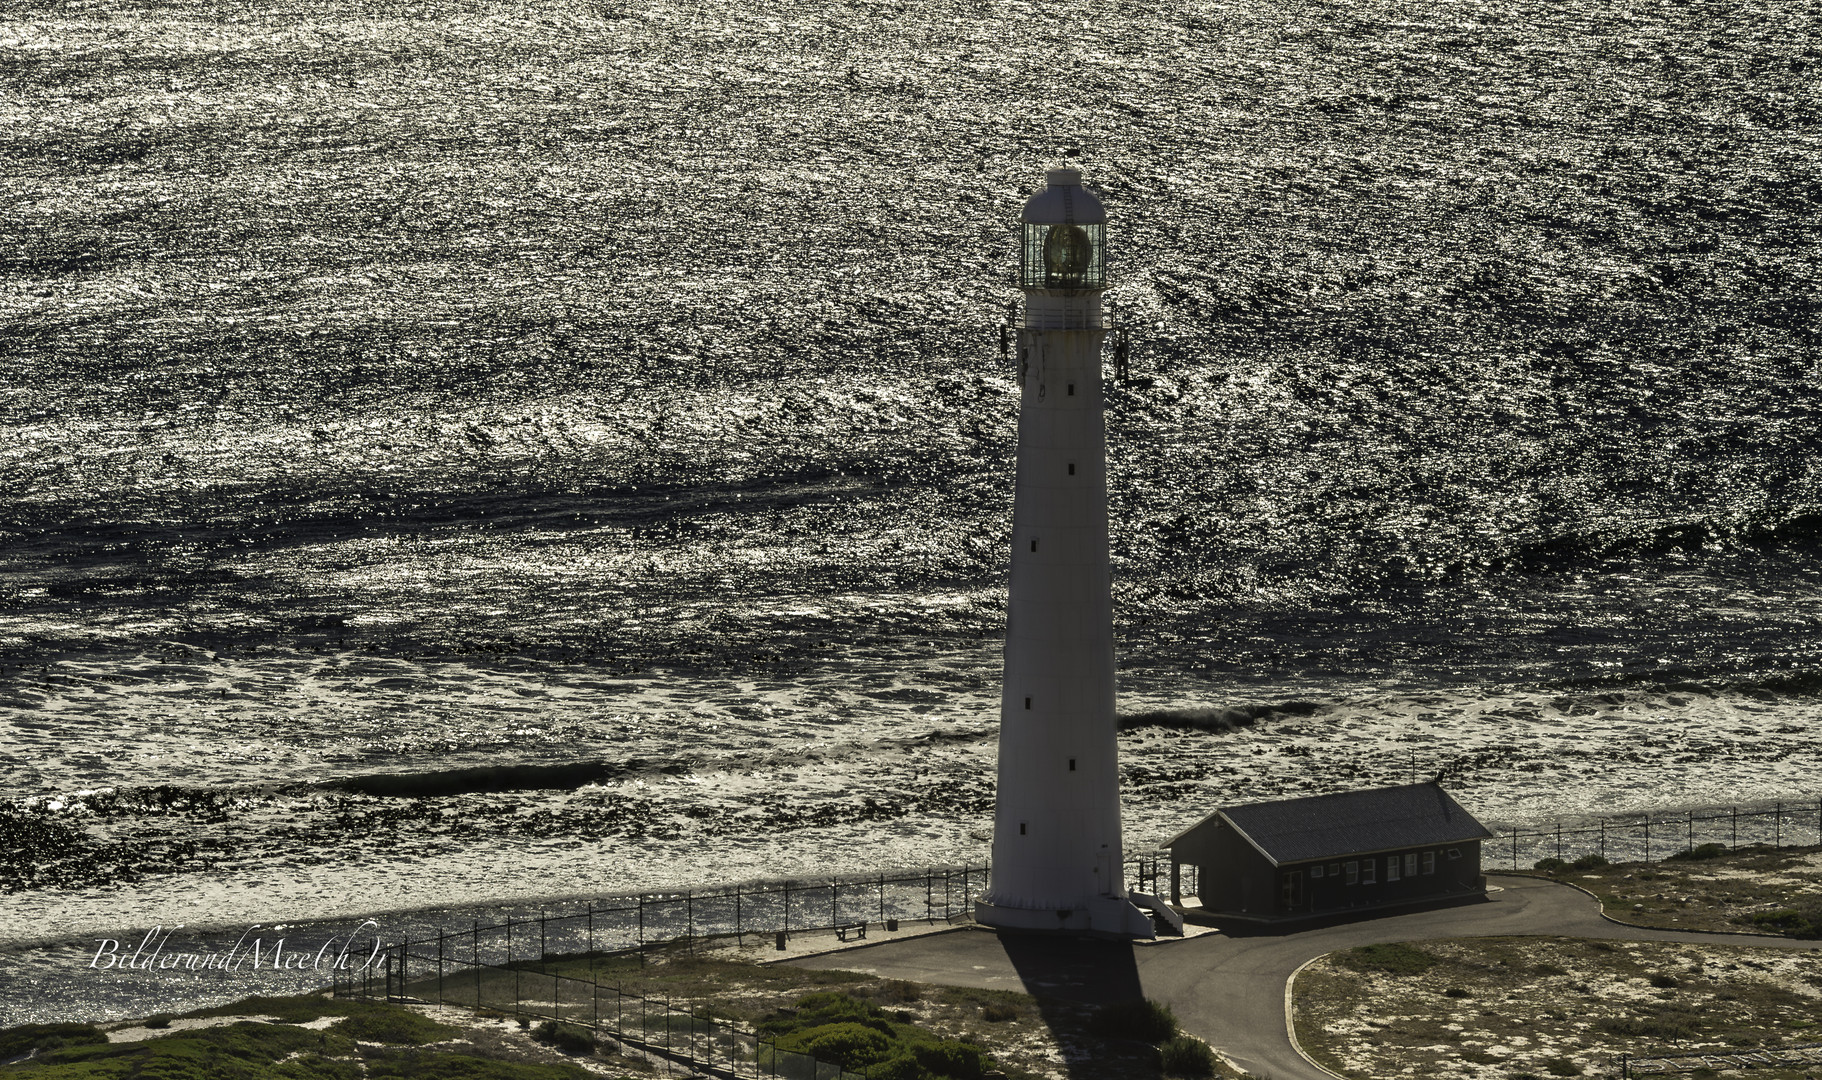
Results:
544 968
1649 837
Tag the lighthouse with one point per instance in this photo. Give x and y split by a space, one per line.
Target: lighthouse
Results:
1057 858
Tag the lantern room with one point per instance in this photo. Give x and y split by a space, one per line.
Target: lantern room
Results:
1065 237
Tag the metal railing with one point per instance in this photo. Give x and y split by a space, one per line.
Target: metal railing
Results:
1654 836
544 967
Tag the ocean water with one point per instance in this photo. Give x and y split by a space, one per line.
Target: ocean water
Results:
490 453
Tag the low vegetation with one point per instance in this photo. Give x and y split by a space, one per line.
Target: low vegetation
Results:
372 1040
1508 1008
862 1037
1756 889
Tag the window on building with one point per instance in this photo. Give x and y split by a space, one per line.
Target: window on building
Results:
1410 865
1334 869
1454 853
1353 873
1072 468
1072 389
1028 703
1369 872
1429 862
1021 828
1315 871
1072 764
1034 545
1391 868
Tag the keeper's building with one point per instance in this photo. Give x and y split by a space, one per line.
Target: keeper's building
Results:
1332 853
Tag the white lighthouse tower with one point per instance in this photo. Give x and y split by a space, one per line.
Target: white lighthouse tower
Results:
1057 859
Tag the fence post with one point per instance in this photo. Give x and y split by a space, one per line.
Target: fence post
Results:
929 896
543 926
1777 820
1515 849
1736 829
1647 836
689 919
739 937
1603 839
882 877
1692 830
477 963
787 909
1559 841
440 936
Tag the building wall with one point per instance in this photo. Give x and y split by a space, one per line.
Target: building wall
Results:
1236 877
1385 877
1233 875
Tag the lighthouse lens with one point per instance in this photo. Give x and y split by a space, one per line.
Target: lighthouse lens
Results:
1066 251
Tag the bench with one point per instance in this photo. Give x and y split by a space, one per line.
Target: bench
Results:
858 929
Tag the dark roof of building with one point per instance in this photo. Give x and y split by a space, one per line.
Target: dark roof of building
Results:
1354 822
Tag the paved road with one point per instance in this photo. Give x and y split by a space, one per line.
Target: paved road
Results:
1230 989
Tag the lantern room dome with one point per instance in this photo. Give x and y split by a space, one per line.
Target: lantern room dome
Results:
1064 199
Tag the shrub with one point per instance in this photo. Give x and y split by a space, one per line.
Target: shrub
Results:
850 1045
159 1021
900 992
1396 958
1664 1028
996 1011
1802 921
1562 1066
391 1024
1455 992
1186 1056
827 1007
1696 854
1147 1020
960 1060
1589 862
1551 864
565 1037
18 1041
1663 982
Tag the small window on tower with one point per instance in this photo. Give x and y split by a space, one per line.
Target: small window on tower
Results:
1072 764
1072 468
1072 389
1028 703
1021 828
1034 545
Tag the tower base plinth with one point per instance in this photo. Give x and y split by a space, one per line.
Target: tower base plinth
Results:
1107 916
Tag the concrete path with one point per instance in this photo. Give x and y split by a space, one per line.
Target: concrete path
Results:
1230 990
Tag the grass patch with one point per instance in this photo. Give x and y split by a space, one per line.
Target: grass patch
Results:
1396 958
429 1065
1544 1005
1708 887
